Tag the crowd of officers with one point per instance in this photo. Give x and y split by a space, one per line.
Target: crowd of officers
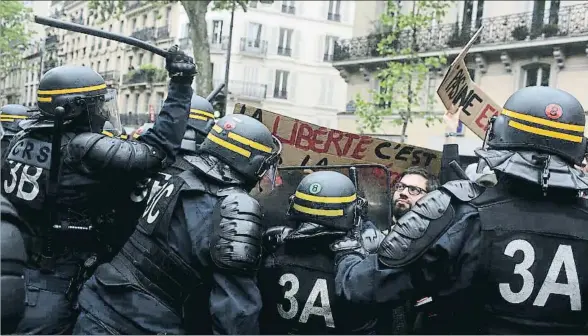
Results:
158 234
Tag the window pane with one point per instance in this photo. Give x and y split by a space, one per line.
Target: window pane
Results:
531 77
545 75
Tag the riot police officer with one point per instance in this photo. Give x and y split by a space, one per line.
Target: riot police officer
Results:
297 280
12 266
190 264
506 259
88 177
11 116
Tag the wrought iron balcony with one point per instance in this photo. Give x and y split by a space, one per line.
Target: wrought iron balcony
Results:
145 34
571 21
334 17
112 75
51 40
254 47
245 90
217 46
162 32
145 76
284 51
280 94
288 9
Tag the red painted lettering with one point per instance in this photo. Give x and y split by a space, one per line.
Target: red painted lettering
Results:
359 152
304 134
319 139
482 119
333 138
284 141
350 138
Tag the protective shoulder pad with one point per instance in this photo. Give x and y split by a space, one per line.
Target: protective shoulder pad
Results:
98 153
463 190
236 240
417 230
274 237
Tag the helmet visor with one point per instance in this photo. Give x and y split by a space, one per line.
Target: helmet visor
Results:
109 112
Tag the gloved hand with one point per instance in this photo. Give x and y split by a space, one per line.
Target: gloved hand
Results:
181 67
348 245
274 237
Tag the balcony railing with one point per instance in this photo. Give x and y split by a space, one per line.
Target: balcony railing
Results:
280 94
162 33
112 75
571 21
250 90
51 40
254 46
145 34
284 51
219 46
334 17
328 57
145 76
288 9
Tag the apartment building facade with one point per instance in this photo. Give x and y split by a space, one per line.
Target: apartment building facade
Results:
280 56
16 86
524 43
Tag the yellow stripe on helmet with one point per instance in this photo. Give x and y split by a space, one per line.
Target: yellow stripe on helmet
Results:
540 121
135 135
326 199
204 113
543 132
74 90
124 136
244 140
318 212
108 133
13 116
192 116
44 99
217 128
228 145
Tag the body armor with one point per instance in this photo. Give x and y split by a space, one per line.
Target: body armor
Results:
297 283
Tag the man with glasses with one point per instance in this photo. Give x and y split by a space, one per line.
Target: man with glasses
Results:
412 185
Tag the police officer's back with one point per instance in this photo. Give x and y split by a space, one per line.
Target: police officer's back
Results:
190 265
505 260
69 201
297 277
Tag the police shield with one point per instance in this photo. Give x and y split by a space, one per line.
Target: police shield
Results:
372 184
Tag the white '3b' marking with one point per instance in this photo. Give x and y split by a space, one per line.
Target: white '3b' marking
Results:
564 257
319 289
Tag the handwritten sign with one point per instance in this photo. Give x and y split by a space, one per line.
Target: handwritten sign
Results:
308 144
457 88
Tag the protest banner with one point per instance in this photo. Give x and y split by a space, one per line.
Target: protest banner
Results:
308 144
457 88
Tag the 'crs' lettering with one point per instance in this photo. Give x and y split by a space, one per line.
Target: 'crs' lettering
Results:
319 289
564 258
27 186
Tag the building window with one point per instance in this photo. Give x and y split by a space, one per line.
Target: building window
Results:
334 10
285 43
329 48
254 35
217 31
288 7
281 84
537 75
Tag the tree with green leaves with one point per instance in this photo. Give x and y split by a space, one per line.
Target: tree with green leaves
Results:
196 11
402 80
15 36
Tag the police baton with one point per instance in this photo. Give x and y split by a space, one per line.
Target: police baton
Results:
215 92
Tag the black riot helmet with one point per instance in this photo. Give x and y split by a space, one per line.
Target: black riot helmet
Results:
82 92
245 145
200 121
327 198
543 119
12 115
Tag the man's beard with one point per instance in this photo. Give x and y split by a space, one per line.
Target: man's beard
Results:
399 210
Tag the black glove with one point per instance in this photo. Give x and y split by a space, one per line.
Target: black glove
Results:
274 237
350 244
181 67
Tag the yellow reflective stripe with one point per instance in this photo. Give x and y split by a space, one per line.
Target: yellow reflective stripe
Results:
543 132
124 136
549 123
135 135
7 119
208 114
249 142
13 116
318 212
108 133
326 199
75 90
217 128
197 117
44 99
228 145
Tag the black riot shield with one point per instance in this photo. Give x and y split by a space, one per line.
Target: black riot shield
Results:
373 183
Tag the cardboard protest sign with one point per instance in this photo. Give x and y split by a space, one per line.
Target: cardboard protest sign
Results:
308 144
457 88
